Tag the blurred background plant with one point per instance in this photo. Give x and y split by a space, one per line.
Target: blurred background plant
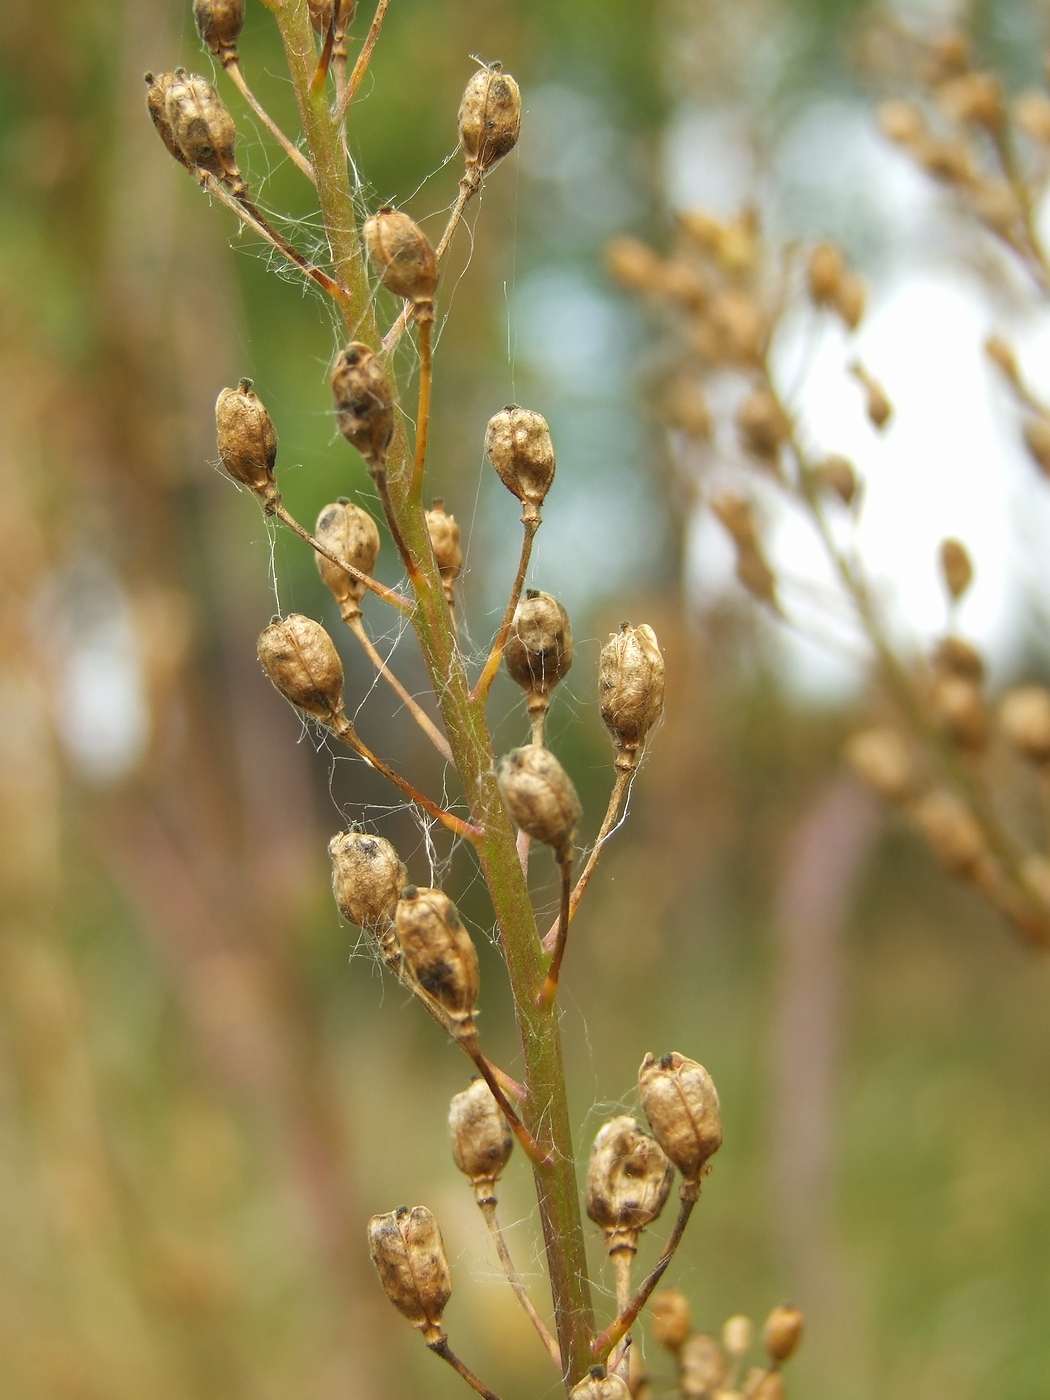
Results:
192 1075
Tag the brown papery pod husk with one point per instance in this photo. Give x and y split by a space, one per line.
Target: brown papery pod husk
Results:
764 427
540 796
738 1333
633 264
518 444
681 1103
763 1384
364 403
955 657
825 272
444 540
320 14
368 876
1024 719
1037 440
246 438
952 831
960 708
671 1318
838 477
631 685
489 117
702 1367
300 658
440 952
881 758
851 299
782 1332
409 1255
157 86
481 1138
628 1181
219 23
539 650
600 1386
402 255
351 534
956 567
202 127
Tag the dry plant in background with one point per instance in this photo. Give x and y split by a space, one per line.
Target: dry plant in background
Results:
503 806
971 772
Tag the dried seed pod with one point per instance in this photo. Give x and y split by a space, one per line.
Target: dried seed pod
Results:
541 797
628 1182
951 831
440 953
838 477
367 878
958 658
959 706
671 1319
702 1367
1024 718
732 330
878 407
481 1138
489 117
681 1103
763 1384
686 408
1037 440
633 264
738 1333
880 757
631 686
300 658
902 122
1001 355
219 23
825 272
782 1332
320 14
600 1386
247 439
684 285
444 538
975 98
538 653
364 403
763 424
351 534
157 106
202 127
402 255
518 444
1032 115
735 514
409 1256
850 300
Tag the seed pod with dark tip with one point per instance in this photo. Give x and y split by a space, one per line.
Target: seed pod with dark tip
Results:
600 1386
440 953
518 444
364 403
202 127
825 272
300 658
958 658
681 1103
157 105
956 568
402 255
702 1367
628 1182
409 1255
837 476
351 534
246 438
481 1138
444 539
541 797
764 427
631 685
219 23
877 404
538 653
1024 719
368 876
783 1331
489 117
671 1319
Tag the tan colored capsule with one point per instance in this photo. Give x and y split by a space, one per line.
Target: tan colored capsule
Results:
440 953
702 1367
1001 355
219 23
763 424
951 830
409 1255
541 797
628 1182
671 1319
402 255
1032 115
202 127
960 708
958 658
738 1333
782 1332
489 117
350 533
850 300
600 1386
973 97
687 409
681 1103
902 122
247 440
838 477
368 876
763 1384
1024 719
364 403
481 1139
825 272
880 757
1037 440
539 650
633 264
631 685
300 659
157 105
518 444
444 539
876 402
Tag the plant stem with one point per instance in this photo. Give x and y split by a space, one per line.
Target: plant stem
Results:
612 813
233 68
550 983
530 524
604 1343
425 322
363 60
420 716
488 1210
275 506
441 1348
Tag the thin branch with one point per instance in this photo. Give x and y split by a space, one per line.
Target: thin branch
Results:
622 1260
233 68
549 989
425 322
529 1145
404 605
441 1348
249 215
417 712
612 815
604 1343
361 66
488 1210
530 524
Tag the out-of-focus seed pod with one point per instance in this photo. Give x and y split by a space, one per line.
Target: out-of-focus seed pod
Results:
1002 356
838 477
949 53
735 514
850 300
951 831
247 440
702 1367
300 658
996 205
219 23
364 403
628 1181
763 1384
368 876
684 285
440 953
351 534
960 708
824 273
633 264
876 403
902 122
202 127
1024 719
763 424
954 657
686 408
732 330
489 117
949 161
671 1319
754 574
1035 871
444 538
600 1386
1037 440
518 444
539 651
702 229
631 687
157 105
880 757
540 796
481 1139
402 255
409 1256
782 1332
956 567
1032 115
975 98
681 1103
738 1333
